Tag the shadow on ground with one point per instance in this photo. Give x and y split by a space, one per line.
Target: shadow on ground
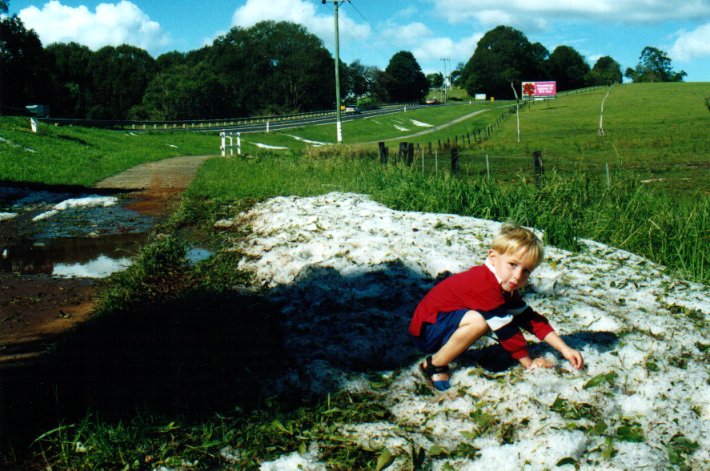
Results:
210 353
190 357
494 359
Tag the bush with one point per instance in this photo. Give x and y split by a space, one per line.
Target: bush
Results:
367 103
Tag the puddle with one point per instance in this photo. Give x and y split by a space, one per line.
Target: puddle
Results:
72 234
95 257
68 233
196 255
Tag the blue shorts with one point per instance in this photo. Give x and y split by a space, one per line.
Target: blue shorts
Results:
434 336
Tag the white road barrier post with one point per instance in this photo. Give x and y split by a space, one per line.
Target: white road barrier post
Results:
223 146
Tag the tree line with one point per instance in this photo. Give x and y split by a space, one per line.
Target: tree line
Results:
505 55
269 68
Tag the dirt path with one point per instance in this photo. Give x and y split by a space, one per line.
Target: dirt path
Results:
438 127
157 185
36 310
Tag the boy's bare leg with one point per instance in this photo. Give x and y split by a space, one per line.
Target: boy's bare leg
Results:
471 328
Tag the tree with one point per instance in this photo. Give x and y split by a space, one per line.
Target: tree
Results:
71 82
654 66
273 67
606 71
540 57
455 74
230 57
358 79
182 93
299 69
376 84
22 64
502 56
405 80
170 59
435 80
568 68
119 77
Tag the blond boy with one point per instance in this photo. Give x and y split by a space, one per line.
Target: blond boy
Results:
465 306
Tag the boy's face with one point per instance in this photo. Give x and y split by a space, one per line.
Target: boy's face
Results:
513 269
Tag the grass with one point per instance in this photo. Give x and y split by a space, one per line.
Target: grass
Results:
84 156
627 214
389 127
239 440
657 131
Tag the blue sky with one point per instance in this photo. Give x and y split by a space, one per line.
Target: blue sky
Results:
373 30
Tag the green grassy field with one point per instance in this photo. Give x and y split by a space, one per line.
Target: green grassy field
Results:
83 156
390 128
657 131
72 155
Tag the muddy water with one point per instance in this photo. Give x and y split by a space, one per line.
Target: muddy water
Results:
91 234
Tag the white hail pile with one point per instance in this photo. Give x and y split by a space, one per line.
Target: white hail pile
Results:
348 273
85 202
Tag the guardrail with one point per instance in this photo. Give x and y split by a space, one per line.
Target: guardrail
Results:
199 124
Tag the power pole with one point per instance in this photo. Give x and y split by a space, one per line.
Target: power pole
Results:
451 69
444 59
339 125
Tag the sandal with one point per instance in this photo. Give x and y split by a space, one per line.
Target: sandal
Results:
428 370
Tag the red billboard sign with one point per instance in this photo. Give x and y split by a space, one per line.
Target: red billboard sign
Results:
539 89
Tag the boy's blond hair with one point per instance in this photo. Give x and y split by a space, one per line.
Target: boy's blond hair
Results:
513 237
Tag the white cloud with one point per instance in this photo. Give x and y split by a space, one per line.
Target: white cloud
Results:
408 11
692 44
433 49
494 17
112 24
406 35
315 17
427 47
526 13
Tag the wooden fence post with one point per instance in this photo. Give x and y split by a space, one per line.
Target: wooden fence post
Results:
538 166
383 152
401 155
454 160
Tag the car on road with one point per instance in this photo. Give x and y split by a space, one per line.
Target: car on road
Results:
432 101
352 109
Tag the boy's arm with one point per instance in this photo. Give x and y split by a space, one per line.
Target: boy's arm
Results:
570 354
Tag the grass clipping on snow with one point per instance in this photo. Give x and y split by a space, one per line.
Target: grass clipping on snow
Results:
348 273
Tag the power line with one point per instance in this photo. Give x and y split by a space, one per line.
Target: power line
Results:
364 40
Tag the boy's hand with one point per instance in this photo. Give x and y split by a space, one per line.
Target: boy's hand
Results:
540 363
574 358
570 354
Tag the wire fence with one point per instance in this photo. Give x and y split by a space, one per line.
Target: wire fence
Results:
534 166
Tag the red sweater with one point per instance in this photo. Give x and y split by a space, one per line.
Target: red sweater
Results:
478 289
